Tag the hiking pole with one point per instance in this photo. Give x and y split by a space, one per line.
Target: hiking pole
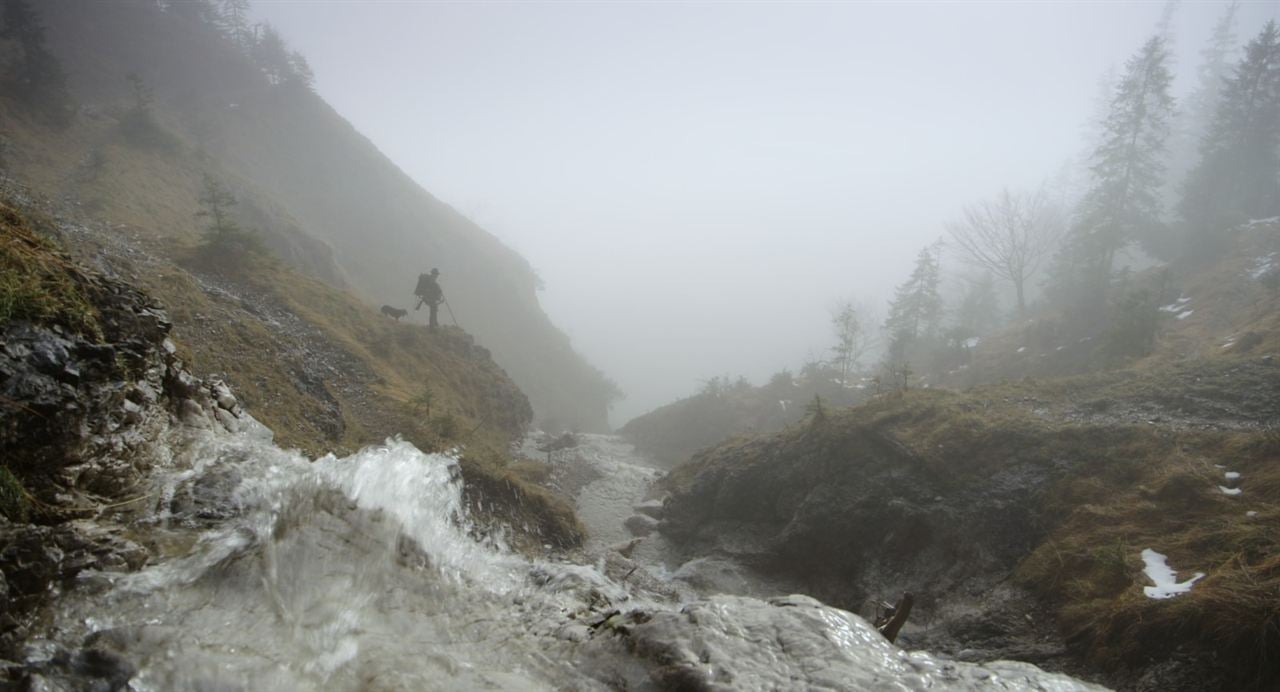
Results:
446 307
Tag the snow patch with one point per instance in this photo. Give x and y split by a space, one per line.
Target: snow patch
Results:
1251 514
1263 265
1229 491
1232 475
1021 349
1176 305
1163 577
1185 315
972 341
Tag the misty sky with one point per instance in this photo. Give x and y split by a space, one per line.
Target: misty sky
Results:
698 184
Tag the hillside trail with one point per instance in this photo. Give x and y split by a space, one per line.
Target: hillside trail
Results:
273 571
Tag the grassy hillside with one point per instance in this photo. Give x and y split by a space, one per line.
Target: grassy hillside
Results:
325 199
1048 486
1199 312
326 372
670 434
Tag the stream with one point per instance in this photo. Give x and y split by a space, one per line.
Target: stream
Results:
275 572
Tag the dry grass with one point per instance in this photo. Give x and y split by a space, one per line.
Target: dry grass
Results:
37 283
1091 566
1117 487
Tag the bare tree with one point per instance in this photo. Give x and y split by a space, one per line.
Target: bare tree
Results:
851 323
1010 236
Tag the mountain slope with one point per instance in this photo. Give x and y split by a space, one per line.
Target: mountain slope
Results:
306 175
1019 512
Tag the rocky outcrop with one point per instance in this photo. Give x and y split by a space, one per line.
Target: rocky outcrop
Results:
1018 526
81 401
792 642
857 514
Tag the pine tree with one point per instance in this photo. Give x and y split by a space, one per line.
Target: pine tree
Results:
1127 171
223 236
1237 177
235 22
37 77
201 11
218 203
979 309
271 54
300 71
1211 75
916 310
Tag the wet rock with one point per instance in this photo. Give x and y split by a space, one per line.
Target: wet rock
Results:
209 497
192 414
223 396
48 353
640 524
796 642
650 508
109 669
34 558
183 385
142 394
131 412
710 575
227 419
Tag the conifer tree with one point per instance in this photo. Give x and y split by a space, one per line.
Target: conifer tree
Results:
300 71
271 54
916 310
218 203
1212 73
202 11
235 22
1127 171
223 236
979 309
1238 176
37 77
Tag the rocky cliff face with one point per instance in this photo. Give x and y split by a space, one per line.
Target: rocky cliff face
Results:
89 379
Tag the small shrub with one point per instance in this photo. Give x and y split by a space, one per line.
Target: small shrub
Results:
14 504
445 426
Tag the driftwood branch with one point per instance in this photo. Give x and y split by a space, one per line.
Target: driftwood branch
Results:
895 617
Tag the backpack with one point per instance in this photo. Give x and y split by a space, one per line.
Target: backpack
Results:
427 288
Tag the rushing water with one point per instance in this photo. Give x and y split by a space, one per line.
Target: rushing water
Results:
360 573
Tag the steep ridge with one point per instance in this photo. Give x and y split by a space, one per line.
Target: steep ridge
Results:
322 195
327 373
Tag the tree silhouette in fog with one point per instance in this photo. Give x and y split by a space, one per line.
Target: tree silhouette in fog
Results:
1127 170
1009 236
1237 176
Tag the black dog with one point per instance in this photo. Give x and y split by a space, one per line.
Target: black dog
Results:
394 313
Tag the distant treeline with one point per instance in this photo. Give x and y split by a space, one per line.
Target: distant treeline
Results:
31 72
1165 183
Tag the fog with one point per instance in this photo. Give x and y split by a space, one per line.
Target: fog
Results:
698 184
